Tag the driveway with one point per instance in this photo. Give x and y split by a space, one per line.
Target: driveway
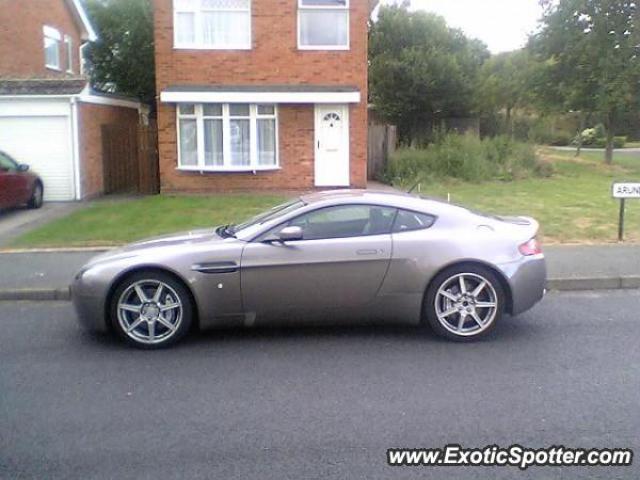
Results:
17 221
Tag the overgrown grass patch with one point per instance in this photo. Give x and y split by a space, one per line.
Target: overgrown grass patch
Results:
467 158
574 205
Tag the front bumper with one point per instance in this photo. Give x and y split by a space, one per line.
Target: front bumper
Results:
527 280
89 303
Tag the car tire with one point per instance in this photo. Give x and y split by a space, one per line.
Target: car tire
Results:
35 201
468 313
151 310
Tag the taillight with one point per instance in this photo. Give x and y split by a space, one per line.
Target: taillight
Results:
532 247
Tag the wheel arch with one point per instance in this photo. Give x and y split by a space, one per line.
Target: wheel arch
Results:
504 283
149 268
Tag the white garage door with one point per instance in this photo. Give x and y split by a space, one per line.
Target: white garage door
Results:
43 144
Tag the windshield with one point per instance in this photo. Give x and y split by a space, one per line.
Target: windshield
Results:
276 212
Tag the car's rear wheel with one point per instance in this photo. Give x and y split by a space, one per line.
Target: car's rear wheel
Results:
151 310
464 302
35 201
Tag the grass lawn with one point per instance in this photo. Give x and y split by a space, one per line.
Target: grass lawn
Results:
573 206
113 222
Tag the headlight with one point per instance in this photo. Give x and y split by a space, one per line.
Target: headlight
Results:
100 263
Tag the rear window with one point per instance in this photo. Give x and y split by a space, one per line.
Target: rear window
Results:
408 221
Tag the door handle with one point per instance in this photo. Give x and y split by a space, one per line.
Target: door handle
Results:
369 252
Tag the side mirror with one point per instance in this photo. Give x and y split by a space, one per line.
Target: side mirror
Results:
23 168
290 234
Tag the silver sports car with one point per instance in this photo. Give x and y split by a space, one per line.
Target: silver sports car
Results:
335 257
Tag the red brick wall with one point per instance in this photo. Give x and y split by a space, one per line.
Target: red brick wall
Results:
274 59
22 41
91 117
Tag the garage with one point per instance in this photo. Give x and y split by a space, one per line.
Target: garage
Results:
56 125
43 144
38 133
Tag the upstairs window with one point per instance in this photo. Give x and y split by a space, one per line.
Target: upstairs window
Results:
68 47
212 24
227 137
323 24
52 39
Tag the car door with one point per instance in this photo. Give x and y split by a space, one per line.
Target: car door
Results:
338 266
10 182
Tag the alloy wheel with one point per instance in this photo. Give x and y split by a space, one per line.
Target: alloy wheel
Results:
149 311
466 304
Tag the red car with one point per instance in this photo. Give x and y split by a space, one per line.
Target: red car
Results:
18 186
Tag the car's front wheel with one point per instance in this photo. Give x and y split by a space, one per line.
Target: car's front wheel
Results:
151 310
464 303
37 194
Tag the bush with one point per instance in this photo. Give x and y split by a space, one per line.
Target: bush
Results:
601 142
619 142
467 158
589 137
595 137
561 140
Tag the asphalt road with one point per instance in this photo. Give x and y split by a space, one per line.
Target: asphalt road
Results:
316 403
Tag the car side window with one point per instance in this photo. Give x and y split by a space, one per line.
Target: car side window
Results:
6 164
344 221
408 221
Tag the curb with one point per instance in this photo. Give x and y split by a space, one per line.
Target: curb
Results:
56 250
35 294
577 284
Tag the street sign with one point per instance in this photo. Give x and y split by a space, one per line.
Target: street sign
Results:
624 191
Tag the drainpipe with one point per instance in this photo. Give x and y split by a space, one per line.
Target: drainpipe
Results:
76 146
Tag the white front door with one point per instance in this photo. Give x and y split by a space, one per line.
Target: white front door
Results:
332 146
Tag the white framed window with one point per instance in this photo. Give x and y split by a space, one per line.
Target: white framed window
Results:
221 137
323 24
212 24
68 47
52 39
82 58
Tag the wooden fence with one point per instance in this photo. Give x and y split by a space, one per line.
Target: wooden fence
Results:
130 158
149 175
381 145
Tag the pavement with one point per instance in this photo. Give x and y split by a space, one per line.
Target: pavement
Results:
17 221
46 275
630 151
317 403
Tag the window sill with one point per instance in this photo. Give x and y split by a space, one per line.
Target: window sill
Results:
330 48
53 67
230 169
209 47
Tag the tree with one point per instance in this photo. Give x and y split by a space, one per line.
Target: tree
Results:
122 60
421 71
504 84
591 51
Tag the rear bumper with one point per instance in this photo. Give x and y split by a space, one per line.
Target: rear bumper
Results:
527 280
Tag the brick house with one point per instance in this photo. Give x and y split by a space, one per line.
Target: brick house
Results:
261 94
50 118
